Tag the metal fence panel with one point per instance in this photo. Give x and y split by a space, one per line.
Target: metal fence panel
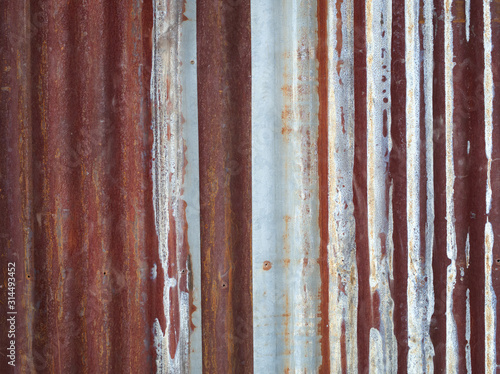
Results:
249 186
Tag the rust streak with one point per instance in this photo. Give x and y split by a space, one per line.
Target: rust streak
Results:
322 56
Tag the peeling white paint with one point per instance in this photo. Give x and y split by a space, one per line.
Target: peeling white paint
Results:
467 20
343 305
490 300
490 303
488 97
175 181
451 242
378 102
467 251
154 271
420 289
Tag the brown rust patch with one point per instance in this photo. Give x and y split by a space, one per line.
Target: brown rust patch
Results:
224 114
267 265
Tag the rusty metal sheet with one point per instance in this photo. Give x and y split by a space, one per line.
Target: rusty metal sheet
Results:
238 186
77 198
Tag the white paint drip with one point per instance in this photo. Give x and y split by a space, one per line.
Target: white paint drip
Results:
378 42
488 97
467 333
467 19
420 294
451 243
467 251
428 62
154 272
490 303
171 78
490 300
343 305
164 362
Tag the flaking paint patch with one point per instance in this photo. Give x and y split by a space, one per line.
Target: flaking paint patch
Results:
164 362
175 142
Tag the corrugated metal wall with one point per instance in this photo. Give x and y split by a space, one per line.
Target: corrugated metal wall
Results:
237 186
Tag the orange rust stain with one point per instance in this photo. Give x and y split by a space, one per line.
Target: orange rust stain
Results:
495 10
322 147
421 18
287 90
267 265
286 130
286 115
459 11
286 315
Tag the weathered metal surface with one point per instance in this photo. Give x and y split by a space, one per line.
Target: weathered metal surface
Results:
224 110
176 186
250 185
77 203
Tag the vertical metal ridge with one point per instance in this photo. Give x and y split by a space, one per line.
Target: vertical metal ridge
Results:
324 206
398 175
451 244
343 300
440 259
16 168
491 249
365 312
224 113
175 168
427 181
267 257
89 238
419 94
477 170
289 140
299 171
378 100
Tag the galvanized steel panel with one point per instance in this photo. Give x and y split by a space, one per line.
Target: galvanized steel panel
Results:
250 186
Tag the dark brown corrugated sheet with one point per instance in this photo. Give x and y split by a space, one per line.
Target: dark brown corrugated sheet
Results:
77 211
224 115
